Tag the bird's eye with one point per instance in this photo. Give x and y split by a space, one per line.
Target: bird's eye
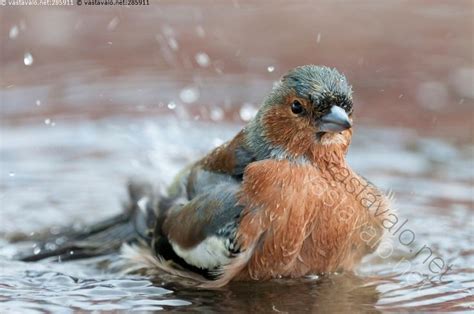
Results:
297 107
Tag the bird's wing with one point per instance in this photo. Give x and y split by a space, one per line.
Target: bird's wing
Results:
223 164
198 239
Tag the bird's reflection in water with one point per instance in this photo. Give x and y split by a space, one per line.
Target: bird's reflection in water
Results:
330 293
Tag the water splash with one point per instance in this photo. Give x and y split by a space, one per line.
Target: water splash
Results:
189 95
318 38
173 43
14 31
49 122
113 24
202 59
200 31
247 112
171 105
217 114
28 59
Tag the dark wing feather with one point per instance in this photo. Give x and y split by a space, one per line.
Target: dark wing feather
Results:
199 236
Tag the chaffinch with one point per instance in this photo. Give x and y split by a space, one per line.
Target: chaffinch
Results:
277 201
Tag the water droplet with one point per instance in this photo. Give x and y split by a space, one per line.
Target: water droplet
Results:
36 250
217 142
28 59
202 59
11 174
60 240
173 44
200 31
217 114
71 252
13 32
171 105
38 102
113 23
318 38
270 68
189 95
50 246
247 112
47 121
109 42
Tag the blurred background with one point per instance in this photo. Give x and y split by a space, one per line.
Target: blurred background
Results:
410 62
93 95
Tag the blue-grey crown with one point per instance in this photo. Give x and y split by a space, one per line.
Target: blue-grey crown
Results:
320 84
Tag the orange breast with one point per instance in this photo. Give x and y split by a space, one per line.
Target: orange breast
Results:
301 220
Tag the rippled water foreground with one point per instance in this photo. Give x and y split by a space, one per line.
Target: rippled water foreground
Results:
74 173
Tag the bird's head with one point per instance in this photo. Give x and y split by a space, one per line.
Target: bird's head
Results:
308 112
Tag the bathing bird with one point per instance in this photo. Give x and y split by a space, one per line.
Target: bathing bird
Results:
279 200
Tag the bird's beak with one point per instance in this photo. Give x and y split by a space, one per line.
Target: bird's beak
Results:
336 120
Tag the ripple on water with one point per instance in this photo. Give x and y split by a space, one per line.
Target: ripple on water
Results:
54 291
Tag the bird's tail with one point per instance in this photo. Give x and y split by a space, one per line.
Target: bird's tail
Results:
104 237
